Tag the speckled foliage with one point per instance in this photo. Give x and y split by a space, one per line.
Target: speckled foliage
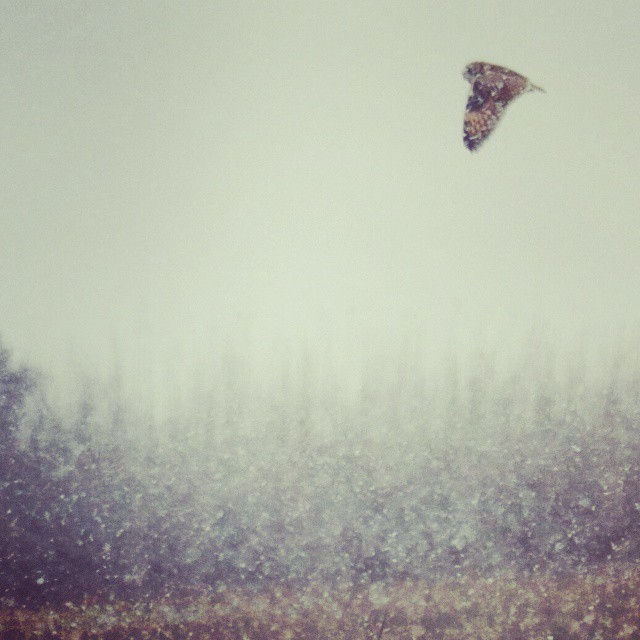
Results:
600 604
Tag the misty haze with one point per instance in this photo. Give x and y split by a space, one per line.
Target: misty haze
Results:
281 359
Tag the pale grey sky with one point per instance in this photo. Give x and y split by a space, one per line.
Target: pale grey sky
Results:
278 176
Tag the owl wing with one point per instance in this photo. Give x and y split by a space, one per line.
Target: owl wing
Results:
490 95
480 119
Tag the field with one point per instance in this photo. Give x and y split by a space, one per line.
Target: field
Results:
604 603
510 510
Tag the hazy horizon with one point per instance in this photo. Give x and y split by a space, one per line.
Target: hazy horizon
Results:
280 181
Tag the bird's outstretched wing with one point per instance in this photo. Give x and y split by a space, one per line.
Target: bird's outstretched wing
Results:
492 89
480 119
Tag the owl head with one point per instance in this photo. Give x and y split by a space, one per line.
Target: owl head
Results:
473 71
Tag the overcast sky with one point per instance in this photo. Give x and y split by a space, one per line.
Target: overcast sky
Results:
285 176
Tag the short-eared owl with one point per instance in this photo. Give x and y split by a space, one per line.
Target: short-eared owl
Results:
492 89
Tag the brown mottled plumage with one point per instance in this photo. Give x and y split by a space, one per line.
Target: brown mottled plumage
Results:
492 89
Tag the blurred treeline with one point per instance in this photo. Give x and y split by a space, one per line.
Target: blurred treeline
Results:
534 467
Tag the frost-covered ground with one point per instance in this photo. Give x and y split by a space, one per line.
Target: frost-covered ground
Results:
523 481
595 604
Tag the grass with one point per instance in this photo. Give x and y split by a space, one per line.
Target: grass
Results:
603 603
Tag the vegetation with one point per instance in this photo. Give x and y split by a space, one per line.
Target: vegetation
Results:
601 603
517 515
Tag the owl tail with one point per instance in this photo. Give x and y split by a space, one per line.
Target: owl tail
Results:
535 87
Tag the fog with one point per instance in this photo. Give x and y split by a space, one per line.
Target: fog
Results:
284 181
282 328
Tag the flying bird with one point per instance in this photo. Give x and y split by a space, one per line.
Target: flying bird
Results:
492 89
